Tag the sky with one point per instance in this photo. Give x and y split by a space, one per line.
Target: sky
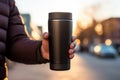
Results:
39 9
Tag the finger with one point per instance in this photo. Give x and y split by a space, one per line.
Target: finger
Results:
45 35
72 45
71 51
73 38
71 56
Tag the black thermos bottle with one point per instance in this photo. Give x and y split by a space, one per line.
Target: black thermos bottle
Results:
60 35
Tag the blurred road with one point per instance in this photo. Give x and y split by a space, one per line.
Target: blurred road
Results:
83 67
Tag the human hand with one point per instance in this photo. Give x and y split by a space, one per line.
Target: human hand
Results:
45 47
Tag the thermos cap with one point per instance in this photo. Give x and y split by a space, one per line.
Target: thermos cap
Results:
60 15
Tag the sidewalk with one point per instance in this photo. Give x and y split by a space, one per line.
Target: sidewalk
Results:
42 72
29 72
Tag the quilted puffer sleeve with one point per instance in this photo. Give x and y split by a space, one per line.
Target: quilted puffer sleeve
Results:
19 47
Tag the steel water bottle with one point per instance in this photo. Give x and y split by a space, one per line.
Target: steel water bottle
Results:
60 35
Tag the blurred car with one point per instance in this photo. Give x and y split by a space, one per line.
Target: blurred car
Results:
103 50
117 47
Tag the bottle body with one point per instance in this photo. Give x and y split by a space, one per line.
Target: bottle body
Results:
60 35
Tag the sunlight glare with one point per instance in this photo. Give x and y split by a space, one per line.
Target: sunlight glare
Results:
85 21
99 29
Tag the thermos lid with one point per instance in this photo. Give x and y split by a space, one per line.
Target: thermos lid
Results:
60 15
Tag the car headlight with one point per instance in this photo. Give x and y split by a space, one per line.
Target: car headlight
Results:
97 49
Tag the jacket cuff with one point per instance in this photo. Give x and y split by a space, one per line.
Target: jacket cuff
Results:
40 59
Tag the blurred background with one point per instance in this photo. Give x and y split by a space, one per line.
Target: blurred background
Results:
96 24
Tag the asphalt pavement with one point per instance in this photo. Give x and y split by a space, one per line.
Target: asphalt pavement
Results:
83 67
